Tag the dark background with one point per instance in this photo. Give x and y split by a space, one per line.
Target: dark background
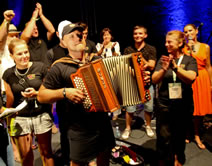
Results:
159 16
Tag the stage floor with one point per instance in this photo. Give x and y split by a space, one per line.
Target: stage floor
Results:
140 143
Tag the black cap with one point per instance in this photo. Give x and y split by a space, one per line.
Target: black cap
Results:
70 28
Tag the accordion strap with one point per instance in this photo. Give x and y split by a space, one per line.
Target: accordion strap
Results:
87 59
66 60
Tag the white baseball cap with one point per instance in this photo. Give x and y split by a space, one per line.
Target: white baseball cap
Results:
61 25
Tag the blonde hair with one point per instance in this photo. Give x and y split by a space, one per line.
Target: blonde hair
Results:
14 43
180 36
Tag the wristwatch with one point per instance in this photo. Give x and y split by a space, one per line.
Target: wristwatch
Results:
64 92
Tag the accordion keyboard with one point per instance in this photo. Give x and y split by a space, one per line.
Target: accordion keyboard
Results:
93 80
80 85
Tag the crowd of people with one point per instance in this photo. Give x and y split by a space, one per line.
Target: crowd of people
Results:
32 70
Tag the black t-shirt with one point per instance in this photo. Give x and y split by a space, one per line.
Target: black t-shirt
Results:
56 53
91 47
188 63
34 78
148 51
72 115
37 49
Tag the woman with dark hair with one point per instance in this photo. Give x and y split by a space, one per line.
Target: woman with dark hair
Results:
174 73
202 86
107 47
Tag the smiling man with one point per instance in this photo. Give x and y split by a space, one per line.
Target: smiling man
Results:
149 58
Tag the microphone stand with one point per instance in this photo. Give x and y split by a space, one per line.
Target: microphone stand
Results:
200 33
209 37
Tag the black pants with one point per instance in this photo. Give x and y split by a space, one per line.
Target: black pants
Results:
64 142
171 121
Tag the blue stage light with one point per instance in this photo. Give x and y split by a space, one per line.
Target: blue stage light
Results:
17 7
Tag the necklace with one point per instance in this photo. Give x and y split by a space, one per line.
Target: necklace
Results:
17 72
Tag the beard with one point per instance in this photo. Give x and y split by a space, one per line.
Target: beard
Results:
80 47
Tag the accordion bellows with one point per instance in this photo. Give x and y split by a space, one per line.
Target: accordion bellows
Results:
111 82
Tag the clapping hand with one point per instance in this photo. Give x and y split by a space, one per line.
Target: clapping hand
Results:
165 60
40 10
172 62
35 14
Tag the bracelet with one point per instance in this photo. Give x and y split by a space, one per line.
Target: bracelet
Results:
33 18
175 69
64 92
6 21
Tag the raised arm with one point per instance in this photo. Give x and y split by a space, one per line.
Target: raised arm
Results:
46 22
8 16
27 32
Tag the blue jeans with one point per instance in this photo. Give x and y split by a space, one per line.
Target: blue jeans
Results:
6 154
148 106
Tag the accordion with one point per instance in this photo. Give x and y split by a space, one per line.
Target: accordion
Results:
111 82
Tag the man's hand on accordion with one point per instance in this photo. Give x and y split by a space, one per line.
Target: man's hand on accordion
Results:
147 79
75 95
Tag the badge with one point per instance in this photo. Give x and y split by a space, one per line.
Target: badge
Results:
175 91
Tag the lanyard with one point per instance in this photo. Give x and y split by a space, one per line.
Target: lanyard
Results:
178 64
